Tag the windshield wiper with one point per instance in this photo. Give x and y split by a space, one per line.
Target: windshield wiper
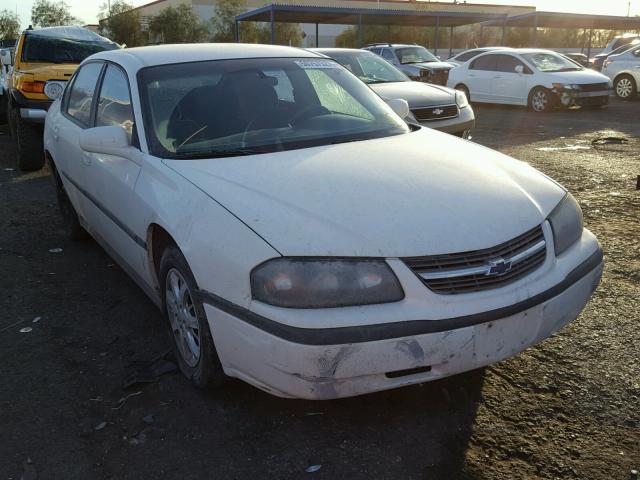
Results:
236 152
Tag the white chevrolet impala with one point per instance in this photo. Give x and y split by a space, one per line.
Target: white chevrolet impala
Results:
297 234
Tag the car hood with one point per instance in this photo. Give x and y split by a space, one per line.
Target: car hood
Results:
421 193
579 77
418 94
435 66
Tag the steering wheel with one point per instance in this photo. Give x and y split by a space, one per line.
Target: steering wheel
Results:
314 110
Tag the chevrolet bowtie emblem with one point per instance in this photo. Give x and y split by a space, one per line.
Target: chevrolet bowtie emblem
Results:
438 111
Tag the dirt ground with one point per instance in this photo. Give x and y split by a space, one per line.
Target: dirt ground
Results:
566 409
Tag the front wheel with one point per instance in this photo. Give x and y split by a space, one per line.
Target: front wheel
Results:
540 100
192 341
625 87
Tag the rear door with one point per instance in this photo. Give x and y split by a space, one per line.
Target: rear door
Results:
509 86
480 75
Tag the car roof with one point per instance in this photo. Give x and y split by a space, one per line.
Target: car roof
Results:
185 53
339 50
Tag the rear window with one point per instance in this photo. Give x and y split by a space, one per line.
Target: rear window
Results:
50 49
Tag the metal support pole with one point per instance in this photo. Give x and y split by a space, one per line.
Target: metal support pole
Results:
237 31
589 45
437 36
359 30
504 31
273 27
481 36
535 33
317 37
451 41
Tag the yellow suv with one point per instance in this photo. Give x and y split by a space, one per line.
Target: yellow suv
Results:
44 60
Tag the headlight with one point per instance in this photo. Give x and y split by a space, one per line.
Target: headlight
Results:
54 90
566 86
323 283
461 99
566 223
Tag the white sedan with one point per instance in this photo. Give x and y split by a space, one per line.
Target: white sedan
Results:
624 71
297 234
539 79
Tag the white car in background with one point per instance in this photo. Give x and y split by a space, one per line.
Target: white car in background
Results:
297 233
624 71
539 79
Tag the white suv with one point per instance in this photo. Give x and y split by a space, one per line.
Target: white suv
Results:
624 70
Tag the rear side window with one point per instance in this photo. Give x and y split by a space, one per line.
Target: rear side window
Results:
82 92
487 62
114 103
636 52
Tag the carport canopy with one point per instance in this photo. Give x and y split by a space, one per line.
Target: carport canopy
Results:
537 20
363 16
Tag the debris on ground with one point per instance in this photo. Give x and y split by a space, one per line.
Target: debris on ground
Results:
596 142
36 320
123 400
100 426
25 329
313 468
149 419
55 250
143 371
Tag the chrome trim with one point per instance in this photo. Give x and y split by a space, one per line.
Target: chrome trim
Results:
483 269
34 114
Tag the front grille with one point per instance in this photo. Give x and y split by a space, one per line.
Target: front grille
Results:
426 114
450 268
594 87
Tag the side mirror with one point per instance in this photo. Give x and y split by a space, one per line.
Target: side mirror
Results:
111 140
439 57
6 57
400 106
519 69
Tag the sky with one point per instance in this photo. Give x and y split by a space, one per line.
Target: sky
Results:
87 10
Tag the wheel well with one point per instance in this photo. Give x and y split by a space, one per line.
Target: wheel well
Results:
158 239
533 89
624 74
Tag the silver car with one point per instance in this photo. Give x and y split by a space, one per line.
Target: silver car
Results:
430 105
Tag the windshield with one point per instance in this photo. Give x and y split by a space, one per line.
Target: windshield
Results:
368 67
551 62
50 49
415 55
249 106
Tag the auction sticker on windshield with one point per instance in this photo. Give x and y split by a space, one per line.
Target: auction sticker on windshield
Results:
316 64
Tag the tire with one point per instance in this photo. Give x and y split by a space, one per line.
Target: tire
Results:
75 231
625 87
191 337
465 90
28 141
540 100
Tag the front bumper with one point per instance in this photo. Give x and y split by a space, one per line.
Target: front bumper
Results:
459 125
309 363
29 109
570 98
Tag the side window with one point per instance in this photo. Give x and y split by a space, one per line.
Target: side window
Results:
376 50
487 62
114 102
636 52
508 64
468 56
388 55
82 91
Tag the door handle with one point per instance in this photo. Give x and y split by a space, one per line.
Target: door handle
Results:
56 132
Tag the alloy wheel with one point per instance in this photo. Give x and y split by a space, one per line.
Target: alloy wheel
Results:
539 101
182 317
624 87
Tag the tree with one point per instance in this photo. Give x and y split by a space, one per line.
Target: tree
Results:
122 24
9 25
48 13
178 25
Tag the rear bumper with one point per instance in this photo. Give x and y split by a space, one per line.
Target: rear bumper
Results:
30 110
308 363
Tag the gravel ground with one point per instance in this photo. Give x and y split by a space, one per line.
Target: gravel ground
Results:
566 409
